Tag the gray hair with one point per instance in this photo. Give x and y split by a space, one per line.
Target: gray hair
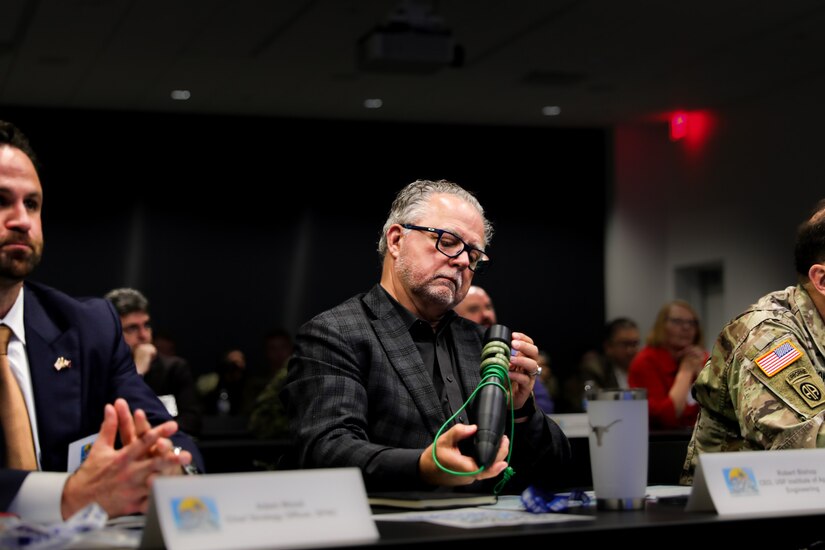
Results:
128 300
411 201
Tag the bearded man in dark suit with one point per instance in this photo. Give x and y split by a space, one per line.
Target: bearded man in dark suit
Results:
76 376
374 379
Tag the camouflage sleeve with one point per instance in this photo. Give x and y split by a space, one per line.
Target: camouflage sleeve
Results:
268 418
777 393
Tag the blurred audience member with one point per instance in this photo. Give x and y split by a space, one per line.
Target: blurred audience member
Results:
477 306
268 418
546 392
164 343
669 364
278 347
227 391
170 377
620 345
605 369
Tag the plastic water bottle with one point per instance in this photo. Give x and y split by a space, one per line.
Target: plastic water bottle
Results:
589 389
224 405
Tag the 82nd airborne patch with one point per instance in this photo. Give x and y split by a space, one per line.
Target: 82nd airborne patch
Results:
808 387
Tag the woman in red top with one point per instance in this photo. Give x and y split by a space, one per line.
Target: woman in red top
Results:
668 365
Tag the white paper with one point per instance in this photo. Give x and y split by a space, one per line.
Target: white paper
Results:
472 518
654 492
170 403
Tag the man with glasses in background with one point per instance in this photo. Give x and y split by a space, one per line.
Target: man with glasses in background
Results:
374 379
477 306
606 368
170 377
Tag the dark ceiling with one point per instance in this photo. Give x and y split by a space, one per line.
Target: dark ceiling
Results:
602 62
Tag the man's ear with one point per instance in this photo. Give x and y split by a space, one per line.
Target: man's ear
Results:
394 234
816 274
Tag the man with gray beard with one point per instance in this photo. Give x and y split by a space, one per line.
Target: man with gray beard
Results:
379 380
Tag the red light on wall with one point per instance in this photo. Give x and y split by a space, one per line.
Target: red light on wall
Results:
678 126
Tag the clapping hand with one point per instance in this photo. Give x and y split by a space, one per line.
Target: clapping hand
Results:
120 480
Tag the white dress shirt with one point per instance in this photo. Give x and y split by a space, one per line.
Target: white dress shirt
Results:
41 492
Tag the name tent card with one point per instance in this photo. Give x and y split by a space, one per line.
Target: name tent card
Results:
287 509
759 482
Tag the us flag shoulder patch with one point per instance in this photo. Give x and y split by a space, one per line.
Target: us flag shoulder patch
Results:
778 358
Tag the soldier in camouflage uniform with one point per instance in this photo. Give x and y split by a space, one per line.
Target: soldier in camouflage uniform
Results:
762 387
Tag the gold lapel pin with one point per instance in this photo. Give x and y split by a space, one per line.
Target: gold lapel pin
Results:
62 363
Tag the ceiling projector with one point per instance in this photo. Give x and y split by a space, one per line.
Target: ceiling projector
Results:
410 42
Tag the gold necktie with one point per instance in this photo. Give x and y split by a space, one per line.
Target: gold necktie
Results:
13 413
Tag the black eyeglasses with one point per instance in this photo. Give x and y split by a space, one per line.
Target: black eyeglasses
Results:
133 328
451 245
625 343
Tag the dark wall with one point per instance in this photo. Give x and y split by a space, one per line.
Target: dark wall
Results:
232 225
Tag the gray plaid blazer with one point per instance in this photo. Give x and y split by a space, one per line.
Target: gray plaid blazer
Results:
358 394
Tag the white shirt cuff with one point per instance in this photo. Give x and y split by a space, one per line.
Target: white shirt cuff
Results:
40 496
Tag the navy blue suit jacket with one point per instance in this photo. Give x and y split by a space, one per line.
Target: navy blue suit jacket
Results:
70 401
